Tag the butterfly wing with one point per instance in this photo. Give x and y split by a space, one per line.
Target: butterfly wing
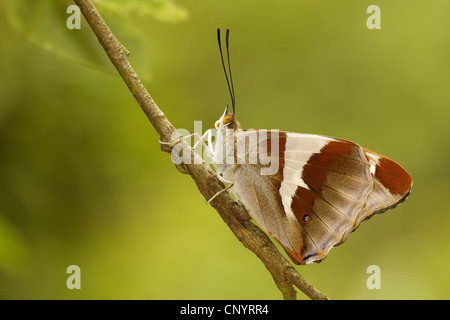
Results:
321 191
392 185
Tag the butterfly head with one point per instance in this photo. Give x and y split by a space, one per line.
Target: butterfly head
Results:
227 121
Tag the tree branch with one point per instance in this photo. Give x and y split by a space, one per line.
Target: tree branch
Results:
234 215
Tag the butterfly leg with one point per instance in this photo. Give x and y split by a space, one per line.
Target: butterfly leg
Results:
220 192
173 143
208 147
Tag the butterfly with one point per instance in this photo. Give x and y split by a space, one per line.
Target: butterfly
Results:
307 191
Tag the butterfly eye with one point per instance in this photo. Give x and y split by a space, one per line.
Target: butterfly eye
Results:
227 120
305 218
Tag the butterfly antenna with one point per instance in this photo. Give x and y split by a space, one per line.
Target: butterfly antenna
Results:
229 80
229 69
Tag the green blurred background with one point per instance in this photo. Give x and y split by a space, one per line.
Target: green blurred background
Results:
83 180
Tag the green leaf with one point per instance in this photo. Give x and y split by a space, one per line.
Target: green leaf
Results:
162 10
43 24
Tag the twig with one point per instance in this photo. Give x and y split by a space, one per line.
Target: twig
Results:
234 215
